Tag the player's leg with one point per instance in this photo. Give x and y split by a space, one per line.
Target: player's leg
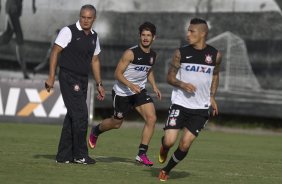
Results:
167 141
73 89
121 107
194 123
179 154
176 120
145 107
106 125
65 153
65 148
172 127
147 111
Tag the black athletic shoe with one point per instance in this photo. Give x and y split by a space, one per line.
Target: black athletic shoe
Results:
86 160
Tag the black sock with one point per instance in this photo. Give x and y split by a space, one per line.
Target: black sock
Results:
142 149
177 156
96 130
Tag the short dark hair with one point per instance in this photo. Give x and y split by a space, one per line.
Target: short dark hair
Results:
148 26
198 21
89 7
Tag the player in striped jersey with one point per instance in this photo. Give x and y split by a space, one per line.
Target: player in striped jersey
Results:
194 74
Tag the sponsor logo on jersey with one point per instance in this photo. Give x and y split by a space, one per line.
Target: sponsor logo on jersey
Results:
188 57
208 59
142 68
201 69
139 59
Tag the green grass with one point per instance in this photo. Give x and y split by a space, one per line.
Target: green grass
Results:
27 153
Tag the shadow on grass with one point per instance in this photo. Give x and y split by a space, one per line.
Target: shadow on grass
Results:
98 158
50 157
113 159
173 174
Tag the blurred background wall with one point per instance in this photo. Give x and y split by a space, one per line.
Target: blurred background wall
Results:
248 32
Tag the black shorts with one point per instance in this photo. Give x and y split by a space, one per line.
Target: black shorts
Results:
192 119
123 104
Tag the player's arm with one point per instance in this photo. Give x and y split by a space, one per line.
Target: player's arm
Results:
172 71
56 50
151 79
62 40
96 70
125 60
214 84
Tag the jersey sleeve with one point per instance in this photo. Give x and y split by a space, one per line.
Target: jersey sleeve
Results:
64 37
98 48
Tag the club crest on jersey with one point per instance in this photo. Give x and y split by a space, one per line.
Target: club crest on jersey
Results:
208 59
151 60
76 87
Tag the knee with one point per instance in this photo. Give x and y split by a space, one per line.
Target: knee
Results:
168 143
184 146
151 119
117 123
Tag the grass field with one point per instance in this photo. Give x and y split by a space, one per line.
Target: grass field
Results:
27 153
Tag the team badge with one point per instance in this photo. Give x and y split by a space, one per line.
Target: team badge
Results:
172 122
208 59
76 87
151 60
119 114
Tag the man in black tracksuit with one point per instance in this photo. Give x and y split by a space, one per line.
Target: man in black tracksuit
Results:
79 47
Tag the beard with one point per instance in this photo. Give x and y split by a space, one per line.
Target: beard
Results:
146 46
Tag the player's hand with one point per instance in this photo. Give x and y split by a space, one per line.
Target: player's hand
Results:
158 93
135 88
188 87
101 93
49 84
214 107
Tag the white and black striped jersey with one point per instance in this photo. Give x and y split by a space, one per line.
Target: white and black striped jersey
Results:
196 67
137 71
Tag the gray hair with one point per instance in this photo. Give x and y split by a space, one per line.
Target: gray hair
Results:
89 7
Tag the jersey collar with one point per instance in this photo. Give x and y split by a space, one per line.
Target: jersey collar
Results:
79 27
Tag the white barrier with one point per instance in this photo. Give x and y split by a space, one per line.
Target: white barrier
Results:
28 101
